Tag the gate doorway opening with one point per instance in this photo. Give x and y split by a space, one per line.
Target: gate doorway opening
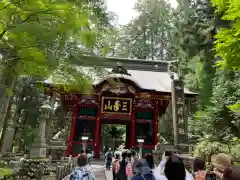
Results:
114 136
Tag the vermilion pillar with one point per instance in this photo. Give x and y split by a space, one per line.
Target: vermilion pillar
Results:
132 132
72 132
97 135
156 114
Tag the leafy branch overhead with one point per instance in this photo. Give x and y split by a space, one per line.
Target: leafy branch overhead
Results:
41 39
40 33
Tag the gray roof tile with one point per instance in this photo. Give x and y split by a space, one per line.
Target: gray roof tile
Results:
158 81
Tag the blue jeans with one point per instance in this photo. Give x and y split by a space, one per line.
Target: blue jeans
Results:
108 164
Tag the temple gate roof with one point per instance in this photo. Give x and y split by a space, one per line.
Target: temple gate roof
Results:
154 81
148 80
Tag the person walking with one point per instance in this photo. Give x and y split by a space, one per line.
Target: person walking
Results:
82 171
108 159
116 166
129 166
122 171
134 161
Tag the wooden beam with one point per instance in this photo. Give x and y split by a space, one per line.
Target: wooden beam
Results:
130 64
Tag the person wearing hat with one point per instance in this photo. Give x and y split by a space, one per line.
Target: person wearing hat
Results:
143 171
220 162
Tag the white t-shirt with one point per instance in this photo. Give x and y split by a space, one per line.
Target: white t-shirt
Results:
161 177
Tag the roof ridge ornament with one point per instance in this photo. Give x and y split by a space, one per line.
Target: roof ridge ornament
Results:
120 70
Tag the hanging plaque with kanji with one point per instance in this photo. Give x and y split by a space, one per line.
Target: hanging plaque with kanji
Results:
115 105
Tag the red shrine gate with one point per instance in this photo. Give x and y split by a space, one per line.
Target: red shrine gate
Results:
117 99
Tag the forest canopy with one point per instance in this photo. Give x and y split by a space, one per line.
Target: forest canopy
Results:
41 39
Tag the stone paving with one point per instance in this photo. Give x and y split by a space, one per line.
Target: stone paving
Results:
108 175
98 169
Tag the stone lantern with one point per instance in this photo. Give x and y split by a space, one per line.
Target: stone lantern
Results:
45 110
39 146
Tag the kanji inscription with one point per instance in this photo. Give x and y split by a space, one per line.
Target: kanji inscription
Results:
116 105
178 112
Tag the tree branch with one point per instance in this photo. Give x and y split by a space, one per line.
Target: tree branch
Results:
6 6
33 14
10 18
2 33
25 20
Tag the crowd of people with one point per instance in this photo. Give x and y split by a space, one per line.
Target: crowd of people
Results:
129 166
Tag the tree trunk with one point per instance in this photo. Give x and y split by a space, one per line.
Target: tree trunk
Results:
10 83
7 80
5 125
16 123
162 46
3 97
8 139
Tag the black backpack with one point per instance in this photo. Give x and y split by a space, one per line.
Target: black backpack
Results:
149 176
109 156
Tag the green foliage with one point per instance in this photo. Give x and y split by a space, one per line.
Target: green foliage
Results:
27 101
227 39
45 38
193 49
148 35
5 172
43 34
30 27
206 149
216 120
235 151
217 89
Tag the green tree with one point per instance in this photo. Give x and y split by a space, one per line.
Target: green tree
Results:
148 35
31 32
194 45
44 38
227 39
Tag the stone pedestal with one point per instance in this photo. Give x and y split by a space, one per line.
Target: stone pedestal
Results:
39 148
56 149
